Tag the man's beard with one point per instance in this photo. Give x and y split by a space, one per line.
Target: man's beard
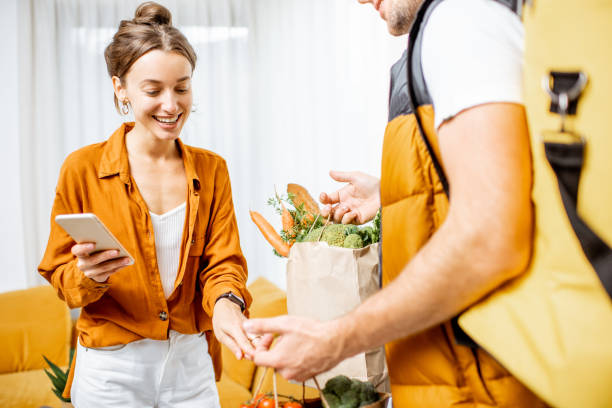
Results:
402 15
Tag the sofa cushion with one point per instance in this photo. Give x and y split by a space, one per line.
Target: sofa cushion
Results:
231 394
268 301
27 389
37 323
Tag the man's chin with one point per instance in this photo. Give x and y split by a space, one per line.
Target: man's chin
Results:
400 19
398 30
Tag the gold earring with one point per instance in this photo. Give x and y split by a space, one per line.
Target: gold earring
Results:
125 108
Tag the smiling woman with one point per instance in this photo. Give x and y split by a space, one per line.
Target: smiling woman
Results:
144 327
157 87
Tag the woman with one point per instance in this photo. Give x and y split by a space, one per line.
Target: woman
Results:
141 328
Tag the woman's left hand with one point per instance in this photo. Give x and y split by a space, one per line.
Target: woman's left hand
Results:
227 324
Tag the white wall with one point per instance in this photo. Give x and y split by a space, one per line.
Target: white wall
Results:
12 264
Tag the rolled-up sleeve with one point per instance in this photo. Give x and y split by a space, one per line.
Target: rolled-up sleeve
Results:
59 265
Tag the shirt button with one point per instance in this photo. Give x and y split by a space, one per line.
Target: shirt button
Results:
163 316
192 241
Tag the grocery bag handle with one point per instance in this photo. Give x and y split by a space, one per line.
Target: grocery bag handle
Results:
261 380
323 400
324 226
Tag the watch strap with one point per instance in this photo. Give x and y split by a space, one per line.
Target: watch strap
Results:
233 298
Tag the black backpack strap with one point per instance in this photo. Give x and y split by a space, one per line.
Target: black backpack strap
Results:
417 87
566 161
416 83
418 95
515 5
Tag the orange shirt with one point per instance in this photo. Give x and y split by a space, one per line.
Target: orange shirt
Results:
131 305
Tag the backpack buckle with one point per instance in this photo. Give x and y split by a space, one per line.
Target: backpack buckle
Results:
564 90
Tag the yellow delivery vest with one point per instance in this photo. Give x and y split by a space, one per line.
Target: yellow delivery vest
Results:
552 327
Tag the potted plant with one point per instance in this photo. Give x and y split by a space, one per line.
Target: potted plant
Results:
58 379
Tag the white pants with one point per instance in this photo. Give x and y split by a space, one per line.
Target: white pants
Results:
177 372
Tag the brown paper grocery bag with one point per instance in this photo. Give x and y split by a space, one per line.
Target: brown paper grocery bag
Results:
325 282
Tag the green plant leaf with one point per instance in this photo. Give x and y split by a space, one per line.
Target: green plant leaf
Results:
58 377
56 370
58 383
60 396
51 376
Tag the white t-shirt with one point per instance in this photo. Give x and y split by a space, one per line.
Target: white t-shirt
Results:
168 230
472 53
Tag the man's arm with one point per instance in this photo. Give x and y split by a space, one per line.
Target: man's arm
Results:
484 241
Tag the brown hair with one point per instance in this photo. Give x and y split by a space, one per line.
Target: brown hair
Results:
150 29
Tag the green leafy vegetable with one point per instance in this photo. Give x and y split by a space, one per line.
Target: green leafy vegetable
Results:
310 227
342 392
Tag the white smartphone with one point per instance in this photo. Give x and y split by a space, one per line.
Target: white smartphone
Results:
88 228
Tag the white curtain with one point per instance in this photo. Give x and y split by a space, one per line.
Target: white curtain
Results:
319 95
285 90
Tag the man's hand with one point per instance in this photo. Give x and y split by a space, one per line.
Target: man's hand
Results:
357 202
98 266
227 324
303 348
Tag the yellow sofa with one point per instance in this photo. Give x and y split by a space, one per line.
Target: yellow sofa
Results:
35 322
39 323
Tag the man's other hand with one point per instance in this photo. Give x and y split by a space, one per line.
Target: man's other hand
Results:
357 202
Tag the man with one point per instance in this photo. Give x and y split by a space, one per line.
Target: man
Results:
458 130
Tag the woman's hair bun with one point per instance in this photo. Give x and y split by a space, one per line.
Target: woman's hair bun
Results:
152 13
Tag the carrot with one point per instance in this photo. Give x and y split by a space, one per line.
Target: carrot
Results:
286 216
287 221
301 195
308 218
270 234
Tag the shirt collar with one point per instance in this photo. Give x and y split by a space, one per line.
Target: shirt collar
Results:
189 164
115 158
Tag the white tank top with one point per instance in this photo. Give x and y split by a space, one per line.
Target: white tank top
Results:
168 230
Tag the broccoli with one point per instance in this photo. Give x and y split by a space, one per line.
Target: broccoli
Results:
353 241
332 234
313 235
342 392
349 400
332 399
367 394
342 235
351 229
338 385
356 386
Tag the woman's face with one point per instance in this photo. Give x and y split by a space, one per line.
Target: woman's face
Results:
158 88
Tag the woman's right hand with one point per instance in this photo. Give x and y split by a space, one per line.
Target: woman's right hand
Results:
100 265
357 202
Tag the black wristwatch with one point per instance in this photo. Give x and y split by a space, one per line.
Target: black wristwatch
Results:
230 296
